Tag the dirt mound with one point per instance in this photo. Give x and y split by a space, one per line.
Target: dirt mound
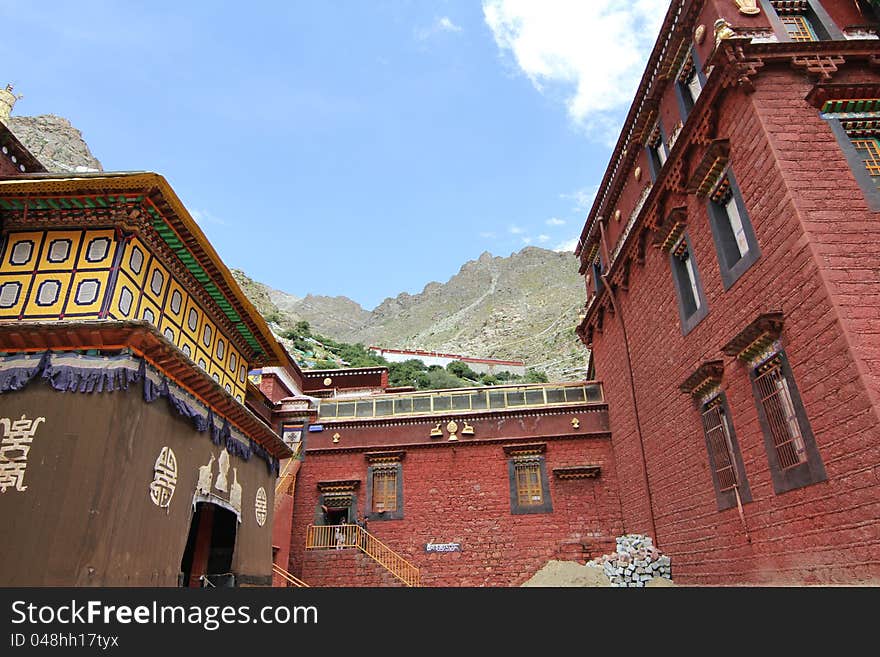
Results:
568 573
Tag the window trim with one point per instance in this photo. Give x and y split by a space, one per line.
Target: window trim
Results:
679 280
397 514
730 273
823 25
686 102
803 474
529 453
654 164
726 499
856 164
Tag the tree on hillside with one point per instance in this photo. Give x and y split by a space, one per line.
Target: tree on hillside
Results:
461 370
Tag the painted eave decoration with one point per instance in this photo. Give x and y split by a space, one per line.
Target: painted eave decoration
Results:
143 340
11 147
150 192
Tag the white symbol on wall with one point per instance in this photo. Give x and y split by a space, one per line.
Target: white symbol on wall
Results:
205 476
222 482
235 491
164 478
14 448
261 506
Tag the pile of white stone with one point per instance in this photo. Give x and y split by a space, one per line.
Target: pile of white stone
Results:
635 563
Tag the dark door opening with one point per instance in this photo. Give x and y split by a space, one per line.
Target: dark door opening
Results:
207 559
336 517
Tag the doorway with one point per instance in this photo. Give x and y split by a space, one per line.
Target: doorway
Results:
207 559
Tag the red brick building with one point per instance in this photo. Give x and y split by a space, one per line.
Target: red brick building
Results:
466 487
731 261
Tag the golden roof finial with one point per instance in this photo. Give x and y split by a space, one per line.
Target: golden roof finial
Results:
7 100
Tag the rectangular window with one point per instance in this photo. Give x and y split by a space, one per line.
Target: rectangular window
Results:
735 241
528 483
657 151
775 396
855 124
791 448
798 28
728 475
384 490
691 300
529 486
868 149
801 20
689 84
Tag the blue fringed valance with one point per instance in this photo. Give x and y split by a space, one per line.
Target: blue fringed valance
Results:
67 372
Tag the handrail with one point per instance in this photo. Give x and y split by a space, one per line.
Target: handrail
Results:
322 537
292 579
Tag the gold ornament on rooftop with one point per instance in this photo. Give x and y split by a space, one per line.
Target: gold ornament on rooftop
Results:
700 34
723 30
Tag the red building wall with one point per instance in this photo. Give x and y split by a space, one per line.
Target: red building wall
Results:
460 493
819 265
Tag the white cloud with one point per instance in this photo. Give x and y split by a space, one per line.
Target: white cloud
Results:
543 238
487 234
593 52
516 230
568 245
203 217
553 221
583 198
446 25
526 240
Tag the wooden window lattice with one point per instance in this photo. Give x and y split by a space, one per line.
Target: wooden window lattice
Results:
798 27
528 482
869 149
718 436
775 398
385 490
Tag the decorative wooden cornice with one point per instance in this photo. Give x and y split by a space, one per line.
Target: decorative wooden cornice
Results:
577 472
671 229
707 375
755 337
143 340
391 456
527 449
710 167
340 486
831 97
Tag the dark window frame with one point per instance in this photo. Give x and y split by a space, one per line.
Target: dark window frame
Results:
397 514
812 470
726 499
821 22
682 93
688 318
731 264
516 508
856 164
654 164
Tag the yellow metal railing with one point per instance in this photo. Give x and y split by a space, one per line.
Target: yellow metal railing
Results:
326 537
291 579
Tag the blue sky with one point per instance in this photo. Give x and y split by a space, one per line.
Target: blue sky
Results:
357 148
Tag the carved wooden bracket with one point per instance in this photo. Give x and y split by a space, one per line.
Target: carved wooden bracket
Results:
822 66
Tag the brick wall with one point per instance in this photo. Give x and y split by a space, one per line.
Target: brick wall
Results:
461 494
346 567
819 265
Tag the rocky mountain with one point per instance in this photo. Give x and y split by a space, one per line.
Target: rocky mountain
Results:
55 143
522 307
